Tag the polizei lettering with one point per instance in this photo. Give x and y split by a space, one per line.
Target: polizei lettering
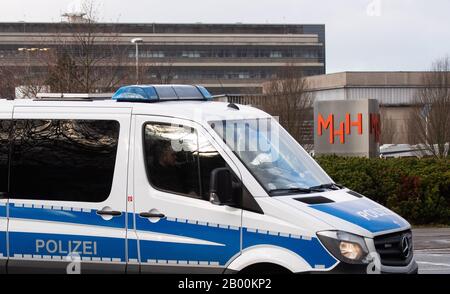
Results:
66 247
373 213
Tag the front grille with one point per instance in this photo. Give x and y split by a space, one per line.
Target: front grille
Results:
391 250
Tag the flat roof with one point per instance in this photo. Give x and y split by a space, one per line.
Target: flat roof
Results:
191 110
367 79
193 28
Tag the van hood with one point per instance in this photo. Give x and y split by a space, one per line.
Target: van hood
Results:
346 212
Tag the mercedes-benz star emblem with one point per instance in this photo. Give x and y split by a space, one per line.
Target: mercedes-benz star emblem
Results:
405 246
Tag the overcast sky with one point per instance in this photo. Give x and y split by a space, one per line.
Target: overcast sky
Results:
360 34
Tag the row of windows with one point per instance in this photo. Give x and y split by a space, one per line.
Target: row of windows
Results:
226 74
229 53
190 51
74 160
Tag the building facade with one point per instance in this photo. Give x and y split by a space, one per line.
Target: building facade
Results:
226 58
396 93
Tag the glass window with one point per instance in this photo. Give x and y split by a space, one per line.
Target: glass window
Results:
275 159
276 54
170 155
209 159
179 160
5 130
190 54
155 54
66 160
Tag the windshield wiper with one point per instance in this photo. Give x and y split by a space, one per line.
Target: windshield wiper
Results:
331 186
293 191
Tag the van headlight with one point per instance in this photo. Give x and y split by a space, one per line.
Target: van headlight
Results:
344 246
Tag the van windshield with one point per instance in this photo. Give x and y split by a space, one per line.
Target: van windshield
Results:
274 158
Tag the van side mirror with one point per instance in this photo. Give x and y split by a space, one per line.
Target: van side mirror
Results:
222 189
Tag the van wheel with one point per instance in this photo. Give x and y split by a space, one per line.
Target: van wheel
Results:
265 269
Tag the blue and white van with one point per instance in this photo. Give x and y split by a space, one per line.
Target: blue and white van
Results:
161 179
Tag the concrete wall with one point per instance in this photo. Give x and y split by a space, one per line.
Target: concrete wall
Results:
397 128
388 96
347 127
395 91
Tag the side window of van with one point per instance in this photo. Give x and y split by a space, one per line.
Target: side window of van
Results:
65 160
5 131
170 154
179 160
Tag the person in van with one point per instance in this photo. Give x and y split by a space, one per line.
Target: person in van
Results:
166 168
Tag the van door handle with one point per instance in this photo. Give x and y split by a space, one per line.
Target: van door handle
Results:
149 215
110 213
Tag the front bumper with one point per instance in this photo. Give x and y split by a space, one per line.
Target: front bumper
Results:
345 268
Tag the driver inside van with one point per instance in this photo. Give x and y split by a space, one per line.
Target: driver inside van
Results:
165 168
169 174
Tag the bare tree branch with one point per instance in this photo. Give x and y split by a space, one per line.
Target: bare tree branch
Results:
92 54
431 116
287 97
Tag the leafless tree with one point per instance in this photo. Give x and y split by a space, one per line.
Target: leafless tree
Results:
7 82
26 76
23 81
94 53
161 72
30 82
431 116
288 98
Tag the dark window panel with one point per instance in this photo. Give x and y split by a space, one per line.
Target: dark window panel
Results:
180 160
170 157
5 130
65 160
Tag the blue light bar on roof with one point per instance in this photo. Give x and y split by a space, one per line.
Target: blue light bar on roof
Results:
155 93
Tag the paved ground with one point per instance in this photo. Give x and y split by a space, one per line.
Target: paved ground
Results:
432 250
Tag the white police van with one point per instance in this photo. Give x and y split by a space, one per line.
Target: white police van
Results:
160 179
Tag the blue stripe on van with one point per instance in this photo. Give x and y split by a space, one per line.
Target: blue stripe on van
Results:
25 243
311 250
2 210
132 250
3 251
38 246
153 250
132 246
3 233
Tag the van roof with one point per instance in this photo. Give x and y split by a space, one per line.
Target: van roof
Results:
191 110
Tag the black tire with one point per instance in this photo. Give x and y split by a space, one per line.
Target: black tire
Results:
265 269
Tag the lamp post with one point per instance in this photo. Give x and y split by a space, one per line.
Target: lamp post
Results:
137 41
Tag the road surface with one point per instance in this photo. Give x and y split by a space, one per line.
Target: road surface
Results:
432 250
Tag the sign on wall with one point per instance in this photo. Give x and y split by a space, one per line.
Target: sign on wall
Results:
347 127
